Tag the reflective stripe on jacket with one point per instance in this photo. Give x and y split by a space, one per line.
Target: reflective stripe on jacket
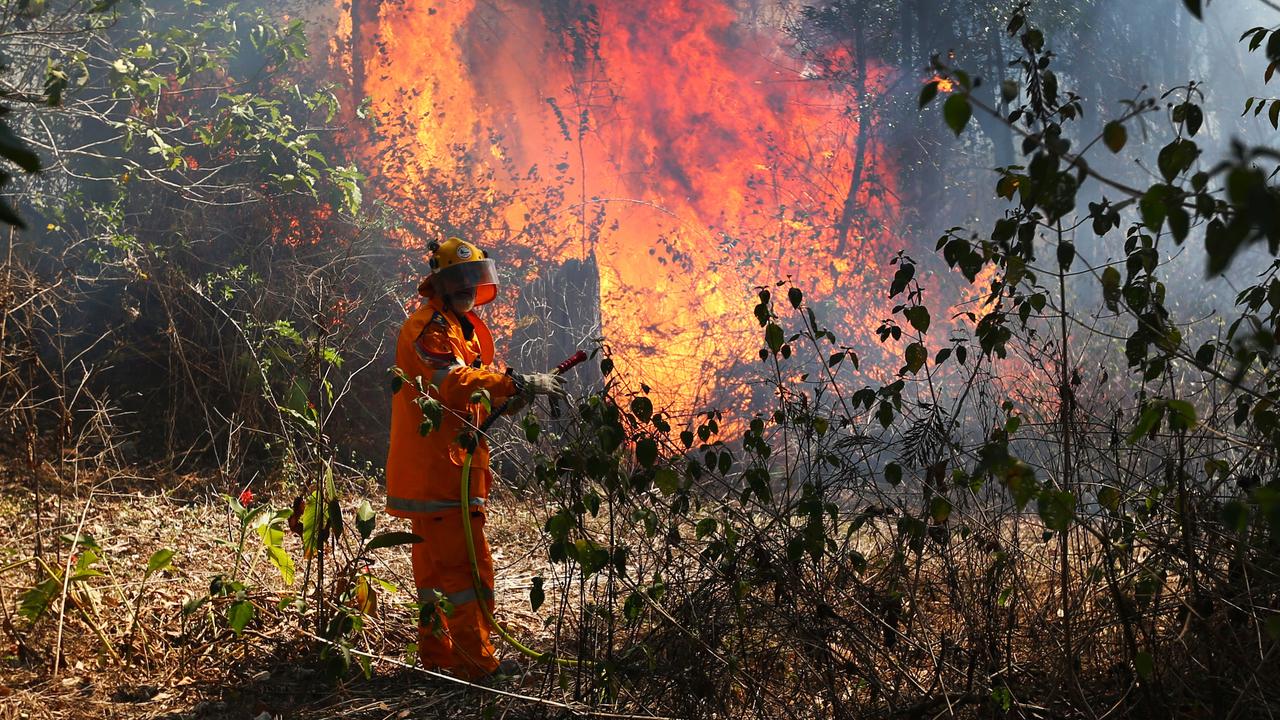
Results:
422 471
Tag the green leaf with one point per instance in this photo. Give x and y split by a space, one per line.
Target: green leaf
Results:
335 518
160 560
1195 119
705 527
1182 414
1111 287
906 271
393 538
272 534
773 336
84 565
918 316
821 425
532 430
35 602
84 540
646 451
1020 479
1205 355
633 607
939 509
1150 417
1176 158
1066 254
366 519
915 356
1006 186
1109 498
893 474
642 408
1114 136
1009 90
536 594
1273 627
1234 516
1002 697
928 93
1152 207
884 413
239 614
1033 39
1056 508
432 414
667 480
283 563
193 604
55 83
1179 223
1144 664
956 111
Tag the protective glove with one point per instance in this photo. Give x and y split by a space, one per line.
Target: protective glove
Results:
534 384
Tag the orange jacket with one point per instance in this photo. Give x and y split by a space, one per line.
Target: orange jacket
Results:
423 472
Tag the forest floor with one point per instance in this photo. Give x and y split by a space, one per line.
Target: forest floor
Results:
176 665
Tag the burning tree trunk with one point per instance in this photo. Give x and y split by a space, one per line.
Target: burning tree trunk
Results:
364 29
557 314
864 132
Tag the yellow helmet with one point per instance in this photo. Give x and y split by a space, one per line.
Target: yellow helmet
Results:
460 268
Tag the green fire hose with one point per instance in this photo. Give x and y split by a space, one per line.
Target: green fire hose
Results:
476 583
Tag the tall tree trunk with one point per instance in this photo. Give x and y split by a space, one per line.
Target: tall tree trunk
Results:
364 37
864 132
1000 133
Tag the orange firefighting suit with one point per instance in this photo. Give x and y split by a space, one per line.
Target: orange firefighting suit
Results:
423 482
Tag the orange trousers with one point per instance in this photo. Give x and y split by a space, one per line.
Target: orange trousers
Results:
457 640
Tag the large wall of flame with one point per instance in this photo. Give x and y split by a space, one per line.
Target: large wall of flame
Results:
680 146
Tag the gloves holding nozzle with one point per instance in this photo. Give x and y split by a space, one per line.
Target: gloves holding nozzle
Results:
534 384
530 386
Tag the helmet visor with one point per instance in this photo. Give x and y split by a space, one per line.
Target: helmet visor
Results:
478 276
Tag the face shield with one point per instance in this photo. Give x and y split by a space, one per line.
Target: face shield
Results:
475 281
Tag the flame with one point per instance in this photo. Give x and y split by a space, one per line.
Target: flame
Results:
945 85
690 156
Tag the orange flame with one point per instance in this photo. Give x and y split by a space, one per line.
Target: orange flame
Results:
690 157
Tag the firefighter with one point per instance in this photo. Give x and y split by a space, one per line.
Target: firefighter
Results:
447 345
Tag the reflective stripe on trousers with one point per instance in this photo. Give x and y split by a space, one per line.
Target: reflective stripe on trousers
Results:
462 597
427 506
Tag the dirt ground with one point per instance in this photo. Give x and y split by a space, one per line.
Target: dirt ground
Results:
179 667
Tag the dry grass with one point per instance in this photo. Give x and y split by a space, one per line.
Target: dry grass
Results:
985 601
182 669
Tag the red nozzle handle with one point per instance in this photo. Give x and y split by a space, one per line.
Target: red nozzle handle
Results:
578 357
